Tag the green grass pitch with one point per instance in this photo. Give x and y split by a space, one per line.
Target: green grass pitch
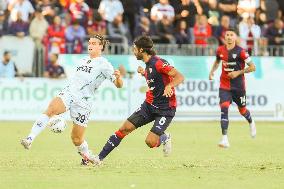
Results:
196 161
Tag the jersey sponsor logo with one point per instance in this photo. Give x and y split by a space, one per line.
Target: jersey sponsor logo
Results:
229 69
229 63
84 69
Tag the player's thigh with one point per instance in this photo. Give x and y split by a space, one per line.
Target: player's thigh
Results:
161 124
55 107
141 116
239 97
225 96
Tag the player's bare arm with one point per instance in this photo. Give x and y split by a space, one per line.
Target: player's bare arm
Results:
118 82
177 79
213 69
250 68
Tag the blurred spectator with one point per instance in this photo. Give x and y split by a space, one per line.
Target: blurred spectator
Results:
202 30
117 29
79 11
187 12
181 34
275 33
131 10
54 70
162 10
19 28
55 41
38 28
144 27
205 6
48 9
23 6
3 23
96 24
145 7
221 30
93 4
247 8
3 5
281 8
110 9
75 35
271 10
165 30
249 34
8 68
229 8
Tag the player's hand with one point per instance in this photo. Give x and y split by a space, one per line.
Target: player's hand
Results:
211 76
168 92
233 74
141 70
117 74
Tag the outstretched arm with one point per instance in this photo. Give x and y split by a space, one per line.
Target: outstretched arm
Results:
213 69
118 82
178 78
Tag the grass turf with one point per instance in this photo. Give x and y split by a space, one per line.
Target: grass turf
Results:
196 161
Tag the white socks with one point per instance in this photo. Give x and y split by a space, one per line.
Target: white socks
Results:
38 126
225 137
83 148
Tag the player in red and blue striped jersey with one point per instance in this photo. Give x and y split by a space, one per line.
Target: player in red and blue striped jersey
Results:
160 104
232 81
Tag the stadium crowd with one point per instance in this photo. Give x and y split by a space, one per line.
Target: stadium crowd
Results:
62 26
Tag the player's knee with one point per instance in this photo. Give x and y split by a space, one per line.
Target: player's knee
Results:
242 110
225 105
50 112
77 141
151 143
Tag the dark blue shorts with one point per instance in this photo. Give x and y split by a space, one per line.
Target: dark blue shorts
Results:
148 113
237 96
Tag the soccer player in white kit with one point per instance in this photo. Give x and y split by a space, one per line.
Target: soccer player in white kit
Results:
77 95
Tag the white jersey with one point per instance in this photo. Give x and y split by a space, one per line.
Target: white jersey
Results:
89 76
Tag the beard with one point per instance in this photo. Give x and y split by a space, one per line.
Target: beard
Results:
139 56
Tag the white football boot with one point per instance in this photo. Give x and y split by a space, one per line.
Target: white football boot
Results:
27 143
167 145
252 129
224 143
90 157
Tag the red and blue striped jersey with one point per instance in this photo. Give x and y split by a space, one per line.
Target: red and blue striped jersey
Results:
232 60
156 74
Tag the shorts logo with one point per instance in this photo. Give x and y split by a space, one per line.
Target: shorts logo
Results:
158 127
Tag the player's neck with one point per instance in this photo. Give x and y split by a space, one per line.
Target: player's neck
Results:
146 58
95 55
230 46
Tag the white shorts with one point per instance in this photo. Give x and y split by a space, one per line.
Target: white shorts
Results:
79 110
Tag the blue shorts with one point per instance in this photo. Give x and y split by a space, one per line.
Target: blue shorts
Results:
237 96
148 113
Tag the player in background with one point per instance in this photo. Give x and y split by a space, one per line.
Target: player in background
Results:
77 96
159 106
232 82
